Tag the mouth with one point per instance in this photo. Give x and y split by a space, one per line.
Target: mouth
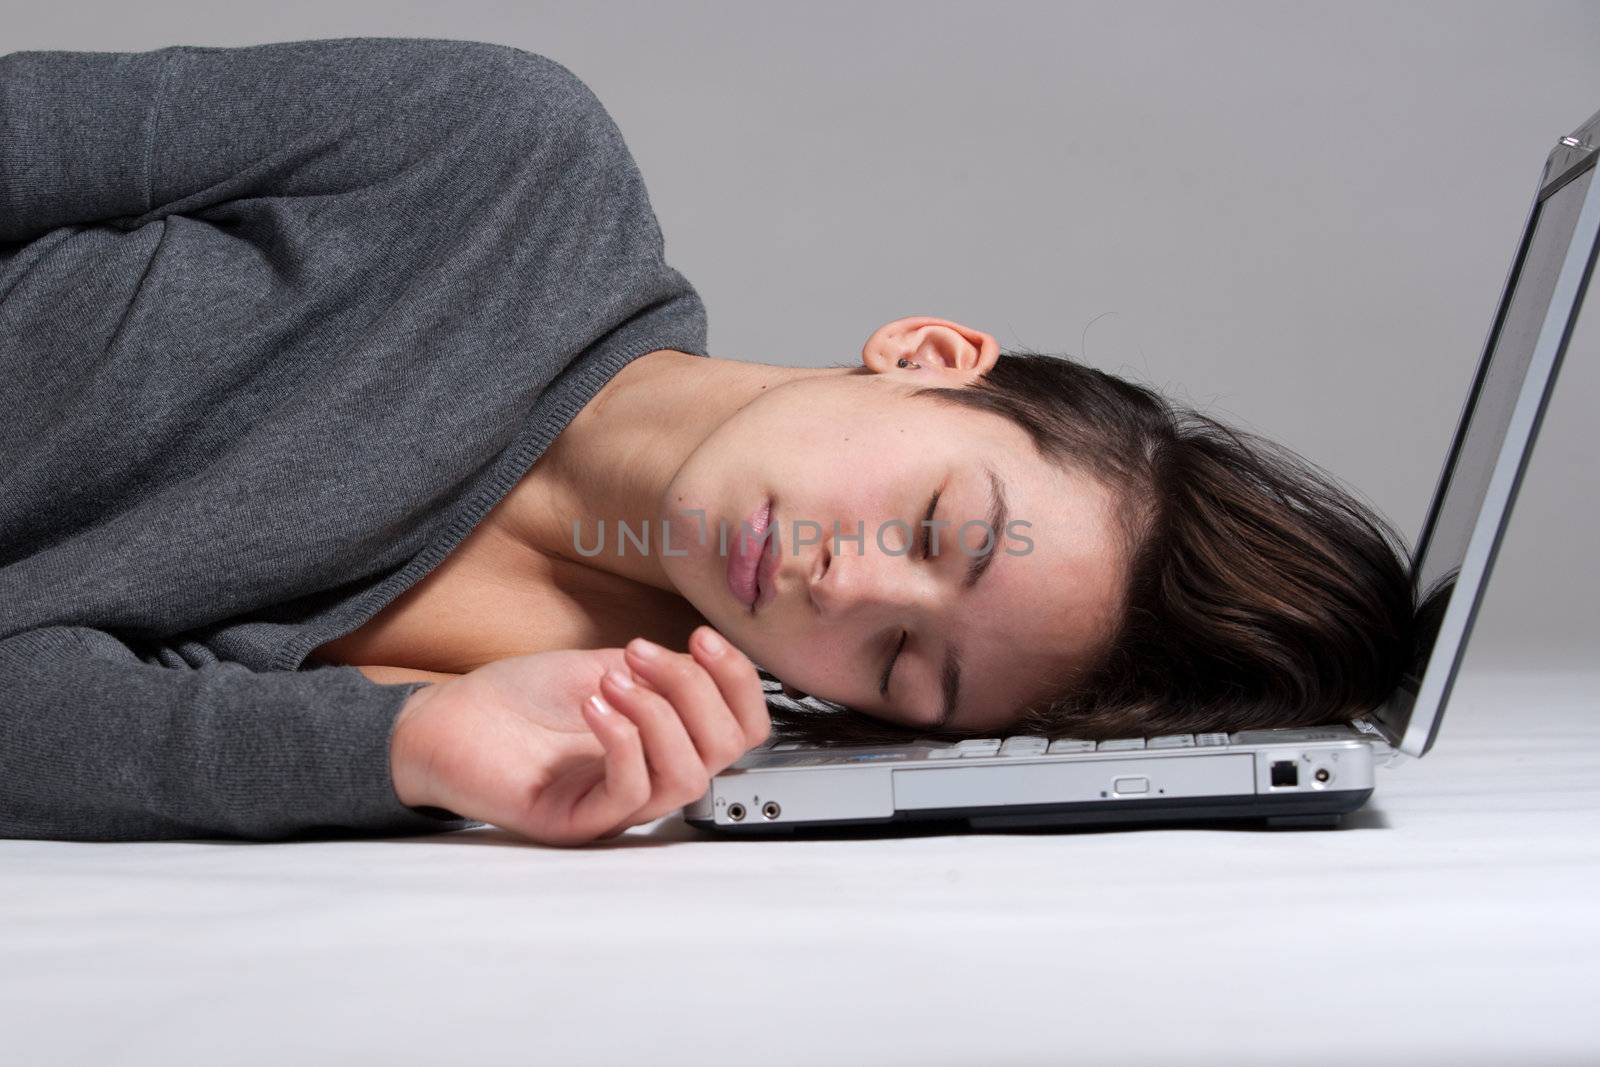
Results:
766 588
746 557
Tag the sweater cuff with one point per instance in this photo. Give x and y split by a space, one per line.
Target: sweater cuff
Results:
375 805
75 138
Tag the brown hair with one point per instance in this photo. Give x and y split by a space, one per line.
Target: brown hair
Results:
1259 591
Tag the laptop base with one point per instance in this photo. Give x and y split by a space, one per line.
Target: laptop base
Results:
1322 810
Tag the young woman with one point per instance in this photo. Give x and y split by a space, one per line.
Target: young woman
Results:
367 469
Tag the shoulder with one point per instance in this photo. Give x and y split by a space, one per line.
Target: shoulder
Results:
522 102
423 83
476 75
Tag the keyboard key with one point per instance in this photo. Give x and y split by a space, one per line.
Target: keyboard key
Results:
1171 741
785 746
1024 745
804 759
1204 740
987 746
945 753
1071 744
1121 744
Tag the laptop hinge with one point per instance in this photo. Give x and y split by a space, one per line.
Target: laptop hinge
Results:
1384 752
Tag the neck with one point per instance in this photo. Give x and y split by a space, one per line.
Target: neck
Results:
613 462
517 583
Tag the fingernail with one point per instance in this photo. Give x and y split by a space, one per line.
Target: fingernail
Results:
644 649
600 706
620 680
711 642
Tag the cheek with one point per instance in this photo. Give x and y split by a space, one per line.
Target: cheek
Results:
829 456
825 663
869 478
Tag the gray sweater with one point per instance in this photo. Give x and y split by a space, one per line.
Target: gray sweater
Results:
278 325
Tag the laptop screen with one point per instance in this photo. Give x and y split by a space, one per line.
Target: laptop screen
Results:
1495 434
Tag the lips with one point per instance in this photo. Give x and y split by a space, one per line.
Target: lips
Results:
766 588
746 555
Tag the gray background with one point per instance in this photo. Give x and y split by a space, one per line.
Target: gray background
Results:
1298 217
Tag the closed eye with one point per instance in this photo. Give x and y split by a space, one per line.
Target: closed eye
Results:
883 684
926 548
927 524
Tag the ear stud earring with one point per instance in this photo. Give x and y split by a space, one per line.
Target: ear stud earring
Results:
907 363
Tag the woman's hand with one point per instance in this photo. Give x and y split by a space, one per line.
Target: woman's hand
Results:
570 747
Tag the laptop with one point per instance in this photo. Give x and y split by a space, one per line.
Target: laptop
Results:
1303 777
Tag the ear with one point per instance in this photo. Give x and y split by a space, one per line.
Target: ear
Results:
940 352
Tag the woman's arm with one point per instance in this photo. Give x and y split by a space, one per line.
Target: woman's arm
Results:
98 745
128 137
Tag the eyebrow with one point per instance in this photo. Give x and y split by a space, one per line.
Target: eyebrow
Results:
977 567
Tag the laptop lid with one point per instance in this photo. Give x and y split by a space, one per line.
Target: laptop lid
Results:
1494 437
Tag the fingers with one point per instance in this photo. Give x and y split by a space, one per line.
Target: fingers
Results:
684 719
606 809
677 773
736 678
717 733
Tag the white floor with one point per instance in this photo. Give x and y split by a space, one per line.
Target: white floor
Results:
1452 921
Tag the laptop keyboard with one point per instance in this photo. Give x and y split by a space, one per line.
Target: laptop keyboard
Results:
1025 745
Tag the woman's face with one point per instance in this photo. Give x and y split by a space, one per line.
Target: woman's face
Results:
857 454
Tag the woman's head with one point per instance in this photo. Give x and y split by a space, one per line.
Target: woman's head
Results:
861 454
1169 574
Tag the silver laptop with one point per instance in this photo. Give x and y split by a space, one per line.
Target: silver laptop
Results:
1289 777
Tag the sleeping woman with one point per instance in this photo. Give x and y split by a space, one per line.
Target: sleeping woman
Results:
366 471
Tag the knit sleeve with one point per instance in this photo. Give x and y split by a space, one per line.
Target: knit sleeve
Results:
97 745
124 138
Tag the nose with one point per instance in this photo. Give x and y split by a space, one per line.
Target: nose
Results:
852 579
